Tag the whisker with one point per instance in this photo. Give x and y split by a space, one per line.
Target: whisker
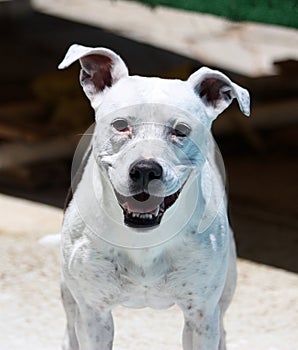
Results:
85 134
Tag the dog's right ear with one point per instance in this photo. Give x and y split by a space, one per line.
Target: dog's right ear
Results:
100 68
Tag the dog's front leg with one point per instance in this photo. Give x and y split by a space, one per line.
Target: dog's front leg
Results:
70 307
94 328
201 331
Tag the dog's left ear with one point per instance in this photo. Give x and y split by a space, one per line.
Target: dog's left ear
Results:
100 68
217 91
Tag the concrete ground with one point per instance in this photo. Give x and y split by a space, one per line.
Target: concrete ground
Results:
263 315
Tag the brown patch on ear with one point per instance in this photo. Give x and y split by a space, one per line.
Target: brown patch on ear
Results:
211 90
96 70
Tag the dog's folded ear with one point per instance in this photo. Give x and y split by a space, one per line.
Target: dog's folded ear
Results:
217 91
100 68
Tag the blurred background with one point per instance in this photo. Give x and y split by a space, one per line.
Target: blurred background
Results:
43 111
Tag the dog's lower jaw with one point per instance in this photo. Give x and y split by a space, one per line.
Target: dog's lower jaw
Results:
142 220
142 217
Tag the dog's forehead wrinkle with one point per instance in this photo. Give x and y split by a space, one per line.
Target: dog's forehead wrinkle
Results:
175 93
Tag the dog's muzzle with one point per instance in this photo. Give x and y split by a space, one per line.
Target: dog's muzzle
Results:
143 209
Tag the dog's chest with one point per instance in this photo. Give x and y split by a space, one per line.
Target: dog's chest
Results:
155 278
142 276
143 279
116 276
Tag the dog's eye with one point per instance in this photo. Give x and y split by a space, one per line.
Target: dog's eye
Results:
120 125
181 130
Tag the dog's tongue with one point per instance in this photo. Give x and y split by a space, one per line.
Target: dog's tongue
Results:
142 197
142 203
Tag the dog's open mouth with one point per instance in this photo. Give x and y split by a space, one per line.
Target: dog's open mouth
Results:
143 210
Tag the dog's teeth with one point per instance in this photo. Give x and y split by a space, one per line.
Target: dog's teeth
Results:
142 216
156 211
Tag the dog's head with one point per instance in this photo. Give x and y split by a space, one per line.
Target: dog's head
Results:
150 133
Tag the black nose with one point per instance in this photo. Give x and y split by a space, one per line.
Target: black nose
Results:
144 171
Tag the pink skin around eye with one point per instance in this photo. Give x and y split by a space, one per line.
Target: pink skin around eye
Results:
126 131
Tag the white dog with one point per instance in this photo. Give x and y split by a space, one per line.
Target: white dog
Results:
147 224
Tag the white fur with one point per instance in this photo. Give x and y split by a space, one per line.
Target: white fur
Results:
104 262
50 240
